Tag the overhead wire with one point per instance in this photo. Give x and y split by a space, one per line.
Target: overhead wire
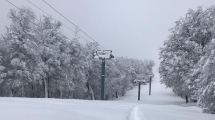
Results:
68 28
11 3
70 21
19 9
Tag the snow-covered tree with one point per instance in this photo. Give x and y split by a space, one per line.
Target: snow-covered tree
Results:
187 57
184 49
37 60
206 81
21 55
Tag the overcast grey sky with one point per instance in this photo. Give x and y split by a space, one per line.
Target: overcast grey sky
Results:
132 28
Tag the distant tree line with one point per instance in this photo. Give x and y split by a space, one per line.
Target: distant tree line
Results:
37 60
188 58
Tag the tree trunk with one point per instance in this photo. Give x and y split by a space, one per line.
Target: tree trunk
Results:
32 88
116 94
90 90
61 93
46 92
91 93
186 99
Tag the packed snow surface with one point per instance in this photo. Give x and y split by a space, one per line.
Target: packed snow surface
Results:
161 105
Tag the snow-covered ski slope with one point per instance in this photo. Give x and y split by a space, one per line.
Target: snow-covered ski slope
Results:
57 109
161 105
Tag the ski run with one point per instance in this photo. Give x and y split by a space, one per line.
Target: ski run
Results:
161 105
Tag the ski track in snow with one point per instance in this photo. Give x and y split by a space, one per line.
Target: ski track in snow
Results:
135 114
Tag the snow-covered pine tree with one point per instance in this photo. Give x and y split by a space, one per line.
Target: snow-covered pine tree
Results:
183 50
21 54
206 83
